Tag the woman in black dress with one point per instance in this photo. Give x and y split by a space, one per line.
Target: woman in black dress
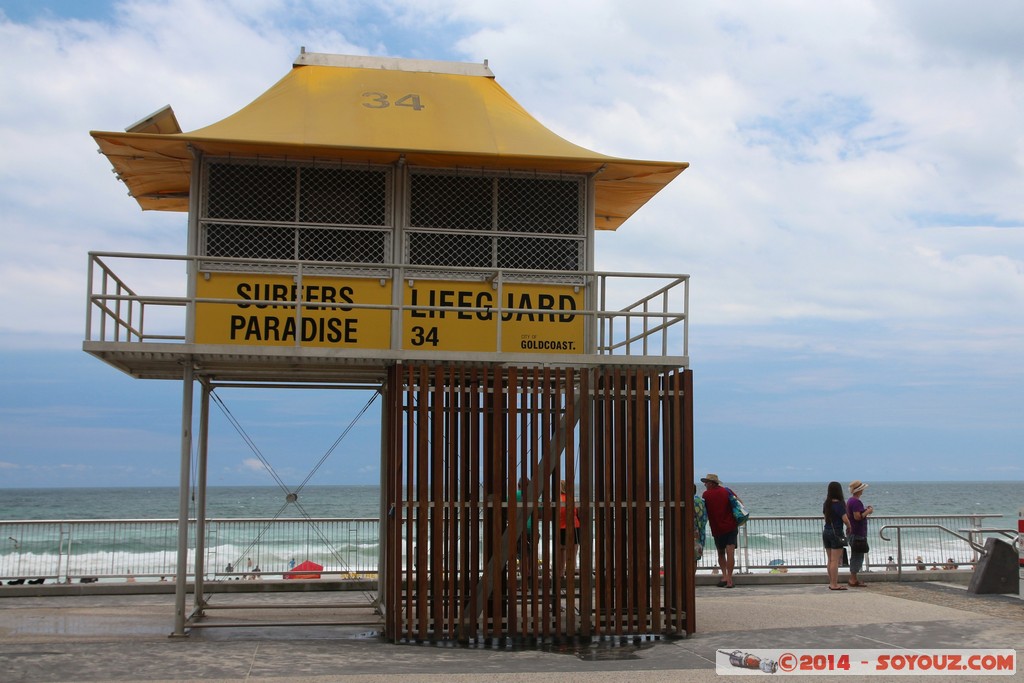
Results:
833 535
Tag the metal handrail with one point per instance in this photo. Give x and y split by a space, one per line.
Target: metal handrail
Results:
145 549
756 551
796 539
980 549
124 308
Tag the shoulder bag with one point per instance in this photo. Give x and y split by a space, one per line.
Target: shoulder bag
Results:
739 510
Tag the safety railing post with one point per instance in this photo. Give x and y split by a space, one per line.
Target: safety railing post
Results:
899 554
746 551
88 299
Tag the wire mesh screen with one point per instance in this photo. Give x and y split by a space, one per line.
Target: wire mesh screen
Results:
342 196
249 241
318 213
450 202
277 210
253 192
333 244
466 221
545 205
442 249
540 253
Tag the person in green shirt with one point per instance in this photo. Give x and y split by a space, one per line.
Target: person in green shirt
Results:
700 522
526 540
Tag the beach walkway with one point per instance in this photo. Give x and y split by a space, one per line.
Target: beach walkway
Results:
125 638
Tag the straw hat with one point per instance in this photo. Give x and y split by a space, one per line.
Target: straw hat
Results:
856 486
711 478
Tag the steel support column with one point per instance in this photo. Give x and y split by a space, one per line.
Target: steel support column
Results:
181 577
199 596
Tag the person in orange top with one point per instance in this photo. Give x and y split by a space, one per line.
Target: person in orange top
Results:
562 527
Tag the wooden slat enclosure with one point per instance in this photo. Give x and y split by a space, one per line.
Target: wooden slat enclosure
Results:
473 461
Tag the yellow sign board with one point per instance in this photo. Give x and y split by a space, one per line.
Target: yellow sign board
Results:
465 316
438 315
277 324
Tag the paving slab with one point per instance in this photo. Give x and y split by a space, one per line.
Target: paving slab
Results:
126 637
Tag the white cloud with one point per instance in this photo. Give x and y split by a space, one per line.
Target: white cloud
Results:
252 465
812 156
856 166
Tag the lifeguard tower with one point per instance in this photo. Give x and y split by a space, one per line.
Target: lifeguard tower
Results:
407 226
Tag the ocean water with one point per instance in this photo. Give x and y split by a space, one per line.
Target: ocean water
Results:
346 546
162 503
1004 498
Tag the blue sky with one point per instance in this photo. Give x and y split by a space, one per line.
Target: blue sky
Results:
851 218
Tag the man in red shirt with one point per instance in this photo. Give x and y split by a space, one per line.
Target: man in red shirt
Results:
723 526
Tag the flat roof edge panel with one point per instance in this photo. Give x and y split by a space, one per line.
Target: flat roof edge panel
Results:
393 64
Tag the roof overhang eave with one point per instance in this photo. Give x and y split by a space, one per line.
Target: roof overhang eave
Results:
157 167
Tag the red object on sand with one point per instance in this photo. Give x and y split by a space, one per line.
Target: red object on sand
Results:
1020 532
305 570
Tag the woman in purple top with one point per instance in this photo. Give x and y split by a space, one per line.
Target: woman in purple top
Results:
832 535
858 528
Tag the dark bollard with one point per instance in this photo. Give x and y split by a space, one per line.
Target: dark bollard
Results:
997 571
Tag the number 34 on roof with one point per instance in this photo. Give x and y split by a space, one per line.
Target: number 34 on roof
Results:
381 100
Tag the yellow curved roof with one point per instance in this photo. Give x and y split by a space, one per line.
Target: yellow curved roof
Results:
378 110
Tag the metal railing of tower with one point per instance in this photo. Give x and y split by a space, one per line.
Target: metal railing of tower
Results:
628 322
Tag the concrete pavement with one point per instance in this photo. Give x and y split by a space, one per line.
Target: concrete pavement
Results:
125 637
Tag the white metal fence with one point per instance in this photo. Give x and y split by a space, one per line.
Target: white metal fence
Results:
255 548
794 543
146 549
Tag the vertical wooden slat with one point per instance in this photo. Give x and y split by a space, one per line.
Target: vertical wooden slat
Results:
608 499
653 517
601 487
492 551
435 501
422 505
596 403
637 543
385 597
396 514
529 498
409 498
557 471
587 572
569 391
487 512
682 501
517 471
479 480
634 460
617 510
455 506
402 513
510 420
657 499
478 398
641 501
549 522
623 457
466 483
686 455
677 486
